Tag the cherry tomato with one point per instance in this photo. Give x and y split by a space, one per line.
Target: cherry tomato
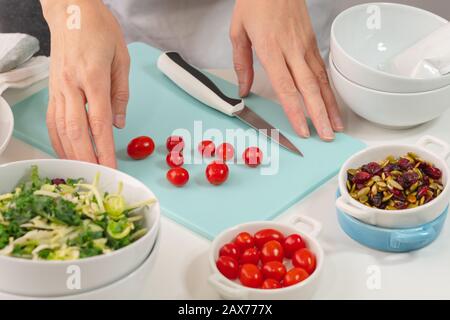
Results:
251 255
272 251
178 176
293 276
304 259
217 173
140 147
207 148
291 244
175 143
174 159
225 151
228 267
253 157
230 250
274 270
271 284
251 276
244 240
262 236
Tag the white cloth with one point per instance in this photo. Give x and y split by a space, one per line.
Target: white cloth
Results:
15 49
199 28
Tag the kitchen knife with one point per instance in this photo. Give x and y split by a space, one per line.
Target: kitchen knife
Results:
198 85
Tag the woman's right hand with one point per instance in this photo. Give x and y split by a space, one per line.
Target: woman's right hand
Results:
89 65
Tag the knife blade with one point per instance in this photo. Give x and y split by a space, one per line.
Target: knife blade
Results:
199 86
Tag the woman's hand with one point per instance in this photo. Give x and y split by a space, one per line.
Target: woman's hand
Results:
89 65
283 38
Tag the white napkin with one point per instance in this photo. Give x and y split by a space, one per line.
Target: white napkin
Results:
428 58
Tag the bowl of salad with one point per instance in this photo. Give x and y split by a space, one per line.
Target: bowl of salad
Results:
67 227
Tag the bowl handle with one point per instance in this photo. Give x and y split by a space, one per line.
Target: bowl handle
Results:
315 226
225 289
411 238
426 140
358 213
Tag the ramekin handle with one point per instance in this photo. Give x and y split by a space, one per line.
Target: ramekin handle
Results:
358 213
225 290
426 140
315 226
413 238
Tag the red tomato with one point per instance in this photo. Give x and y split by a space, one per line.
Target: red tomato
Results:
304 259
244 240
274 270
217 173
174 159
178 176
262 236
293 276
230 250
207 148
251 255
271 284
253 157
272 251
291 244
225 151
251 276
175 143
140 147
228 267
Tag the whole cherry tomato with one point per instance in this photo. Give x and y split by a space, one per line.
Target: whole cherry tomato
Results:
174 159
178 176
252 157
294 276
225 151
272 251
251 255
274 270
291 244
207 148
230 250
271 284
228 267
244 240
140 147
250 276
304 259
217 173
262 236
175 143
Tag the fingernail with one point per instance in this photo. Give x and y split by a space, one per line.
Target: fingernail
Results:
338 125
119 121
328 134
241 92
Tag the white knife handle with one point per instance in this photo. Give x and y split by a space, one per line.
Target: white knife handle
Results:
197 84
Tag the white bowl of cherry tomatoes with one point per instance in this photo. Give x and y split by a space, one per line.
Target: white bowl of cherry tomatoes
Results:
267 260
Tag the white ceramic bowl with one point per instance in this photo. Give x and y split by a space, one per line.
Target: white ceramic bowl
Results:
359 47
393 110
49 278
233 290
407 218
6 124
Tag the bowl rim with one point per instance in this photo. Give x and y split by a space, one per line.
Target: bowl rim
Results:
155 227
215 247
350 10
5 110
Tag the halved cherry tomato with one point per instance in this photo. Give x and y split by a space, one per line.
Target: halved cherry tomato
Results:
230 250
244 240
140 147
178 176
207 148
174 159
262 236
217 173
294 276
250 276
228 267
274 270
251 255
271 284
272 251
252 157
225 151
175 143
291 244
304 259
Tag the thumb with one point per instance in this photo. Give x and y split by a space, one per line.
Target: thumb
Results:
120 89
242 60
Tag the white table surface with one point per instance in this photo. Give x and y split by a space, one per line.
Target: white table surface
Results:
181 270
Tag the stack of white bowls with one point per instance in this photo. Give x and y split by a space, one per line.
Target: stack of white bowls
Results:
364 39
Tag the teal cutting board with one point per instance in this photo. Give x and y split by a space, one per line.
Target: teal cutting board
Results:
157 107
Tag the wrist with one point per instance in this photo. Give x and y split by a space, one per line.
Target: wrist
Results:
50 8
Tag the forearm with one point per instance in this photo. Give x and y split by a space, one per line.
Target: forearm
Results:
58 8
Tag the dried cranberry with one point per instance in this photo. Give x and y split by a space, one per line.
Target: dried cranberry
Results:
361 177
405 164
423 192
391 167
376 200
408 179
373 168
58 181
401 204
433 172
397 194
